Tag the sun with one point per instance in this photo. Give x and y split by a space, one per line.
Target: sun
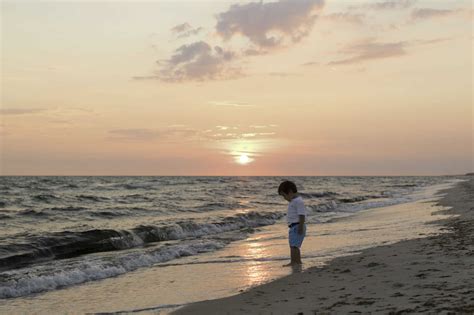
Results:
244 159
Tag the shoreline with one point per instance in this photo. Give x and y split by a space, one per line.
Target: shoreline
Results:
431 274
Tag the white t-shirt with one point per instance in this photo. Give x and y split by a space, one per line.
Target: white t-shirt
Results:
295 208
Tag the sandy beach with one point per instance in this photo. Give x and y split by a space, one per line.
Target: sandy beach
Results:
433 275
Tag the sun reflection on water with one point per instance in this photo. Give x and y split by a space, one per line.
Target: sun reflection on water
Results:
257 271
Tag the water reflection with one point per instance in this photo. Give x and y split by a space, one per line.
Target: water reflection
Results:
256 271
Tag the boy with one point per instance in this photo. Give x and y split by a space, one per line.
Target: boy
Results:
296 220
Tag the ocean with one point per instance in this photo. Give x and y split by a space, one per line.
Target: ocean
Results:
63 231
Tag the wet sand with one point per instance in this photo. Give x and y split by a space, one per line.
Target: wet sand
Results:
433 274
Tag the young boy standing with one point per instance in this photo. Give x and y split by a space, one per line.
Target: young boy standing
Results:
295 218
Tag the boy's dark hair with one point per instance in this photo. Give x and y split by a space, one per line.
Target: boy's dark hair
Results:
286 186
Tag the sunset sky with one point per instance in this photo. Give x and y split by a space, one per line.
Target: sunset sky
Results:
299 87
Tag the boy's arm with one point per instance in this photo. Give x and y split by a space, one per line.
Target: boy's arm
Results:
301 223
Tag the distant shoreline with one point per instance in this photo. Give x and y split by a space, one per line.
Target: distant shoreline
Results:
442 175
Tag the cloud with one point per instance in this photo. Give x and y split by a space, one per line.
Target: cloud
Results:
345 17
283 74
310 63
233 132
181 28
428 13
199 61
385 5
185 30
369 49
134 134
21 111
236 136
229 103
147 134
269 25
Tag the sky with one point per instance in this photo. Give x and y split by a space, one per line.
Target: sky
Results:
236 88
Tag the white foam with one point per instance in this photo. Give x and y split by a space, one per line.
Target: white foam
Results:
77 272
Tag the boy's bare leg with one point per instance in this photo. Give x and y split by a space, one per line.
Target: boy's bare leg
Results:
295 257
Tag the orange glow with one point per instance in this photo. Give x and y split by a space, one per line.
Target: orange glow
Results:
336 99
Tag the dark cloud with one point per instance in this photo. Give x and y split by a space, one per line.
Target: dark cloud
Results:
269 25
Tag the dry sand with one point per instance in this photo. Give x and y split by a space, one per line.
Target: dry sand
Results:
431 275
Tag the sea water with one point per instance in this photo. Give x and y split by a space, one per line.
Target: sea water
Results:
67 237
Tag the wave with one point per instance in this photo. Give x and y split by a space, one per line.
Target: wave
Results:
45 198
146 186
359 198
403 185
135 197
51 277
329 206
32 212
70 186
68 244
319 194
211 206
92 198
4 216
108 214
70 208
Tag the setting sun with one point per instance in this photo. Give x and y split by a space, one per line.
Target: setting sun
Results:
244 159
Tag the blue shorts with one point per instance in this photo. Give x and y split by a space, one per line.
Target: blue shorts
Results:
294 238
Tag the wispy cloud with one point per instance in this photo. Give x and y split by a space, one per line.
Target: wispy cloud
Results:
179 133
147 134
283 74
233 135
370 49
385 5
134 134
21 111
229 103
311 63
345 17
428 13
185 30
